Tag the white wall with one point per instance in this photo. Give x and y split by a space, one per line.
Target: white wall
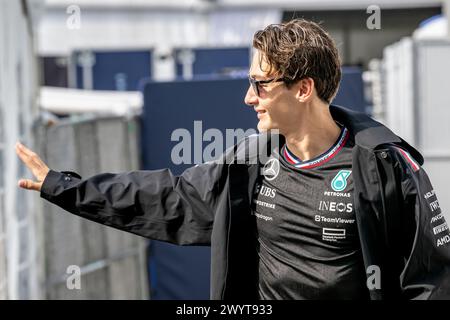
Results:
147 27
17 108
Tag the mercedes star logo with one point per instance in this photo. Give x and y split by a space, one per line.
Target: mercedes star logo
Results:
271 169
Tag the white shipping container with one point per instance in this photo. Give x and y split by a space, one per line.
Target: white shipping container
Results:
417 104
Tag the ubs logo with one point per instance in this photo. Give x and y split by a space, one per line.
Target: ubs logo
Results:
268 192
271 169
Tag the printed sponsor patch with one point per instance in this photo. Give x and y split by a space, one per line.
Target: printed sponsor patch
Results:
339 182
263 217
437 218
338 220
265 204
331 234
271 169
440 228
442 241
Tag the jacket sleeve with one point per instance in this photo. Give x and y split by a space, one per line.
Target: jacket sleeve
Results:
153 204
425 236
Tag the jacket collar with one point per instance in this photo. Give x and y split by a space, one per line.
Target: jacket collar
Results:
368 132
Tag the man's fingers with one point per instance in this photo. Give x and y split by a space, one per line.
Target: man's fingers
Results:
25 159
24 149
32 161
23 155
29 184
35 164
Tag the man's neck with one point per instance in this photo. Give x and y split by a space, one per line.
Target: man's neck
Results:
314 132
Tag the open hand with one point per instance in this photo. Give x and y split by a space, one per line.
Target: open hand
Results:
36 166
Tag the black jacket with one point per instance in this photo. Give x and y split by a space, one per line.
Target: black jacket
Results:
210 204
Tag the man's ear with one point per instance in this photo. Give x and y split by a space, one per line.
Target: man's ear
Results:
305 89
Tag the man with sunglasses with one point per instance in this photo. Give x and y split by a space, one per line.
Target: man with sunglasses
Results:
341 209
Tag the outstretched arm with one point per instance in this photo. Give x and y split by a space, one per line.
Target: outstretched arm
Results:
154 204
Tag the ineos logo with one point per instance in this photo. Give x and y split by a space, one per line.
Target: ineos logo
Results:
271 169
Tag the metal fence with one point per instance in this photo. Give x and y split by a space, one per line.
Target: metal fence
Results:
112 262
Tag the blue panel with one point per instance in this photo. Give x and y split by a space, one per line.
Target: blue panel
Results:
218 103
351 90
183 272
179 273
217 60
117 70
54 71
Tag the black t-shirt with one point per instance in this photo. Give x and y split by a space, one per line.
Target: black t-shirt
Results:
307 237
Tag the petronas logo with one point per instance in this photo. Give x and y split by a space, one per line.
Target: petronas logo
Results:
339 182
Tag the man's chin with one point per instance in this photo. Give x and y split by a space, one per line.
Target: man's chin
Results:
264 127
261 128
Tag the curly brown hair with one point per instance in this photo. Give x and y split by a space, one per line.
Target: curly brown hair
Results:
300 49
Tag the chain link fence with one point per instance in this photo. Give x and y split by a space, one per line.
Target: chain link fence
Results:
112 263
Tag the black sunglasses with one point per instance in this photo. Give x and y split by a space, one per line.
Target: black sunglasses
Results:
255 83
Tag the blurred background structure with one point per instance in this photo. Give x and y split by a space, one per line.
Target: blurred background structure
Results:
19 88
99 85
